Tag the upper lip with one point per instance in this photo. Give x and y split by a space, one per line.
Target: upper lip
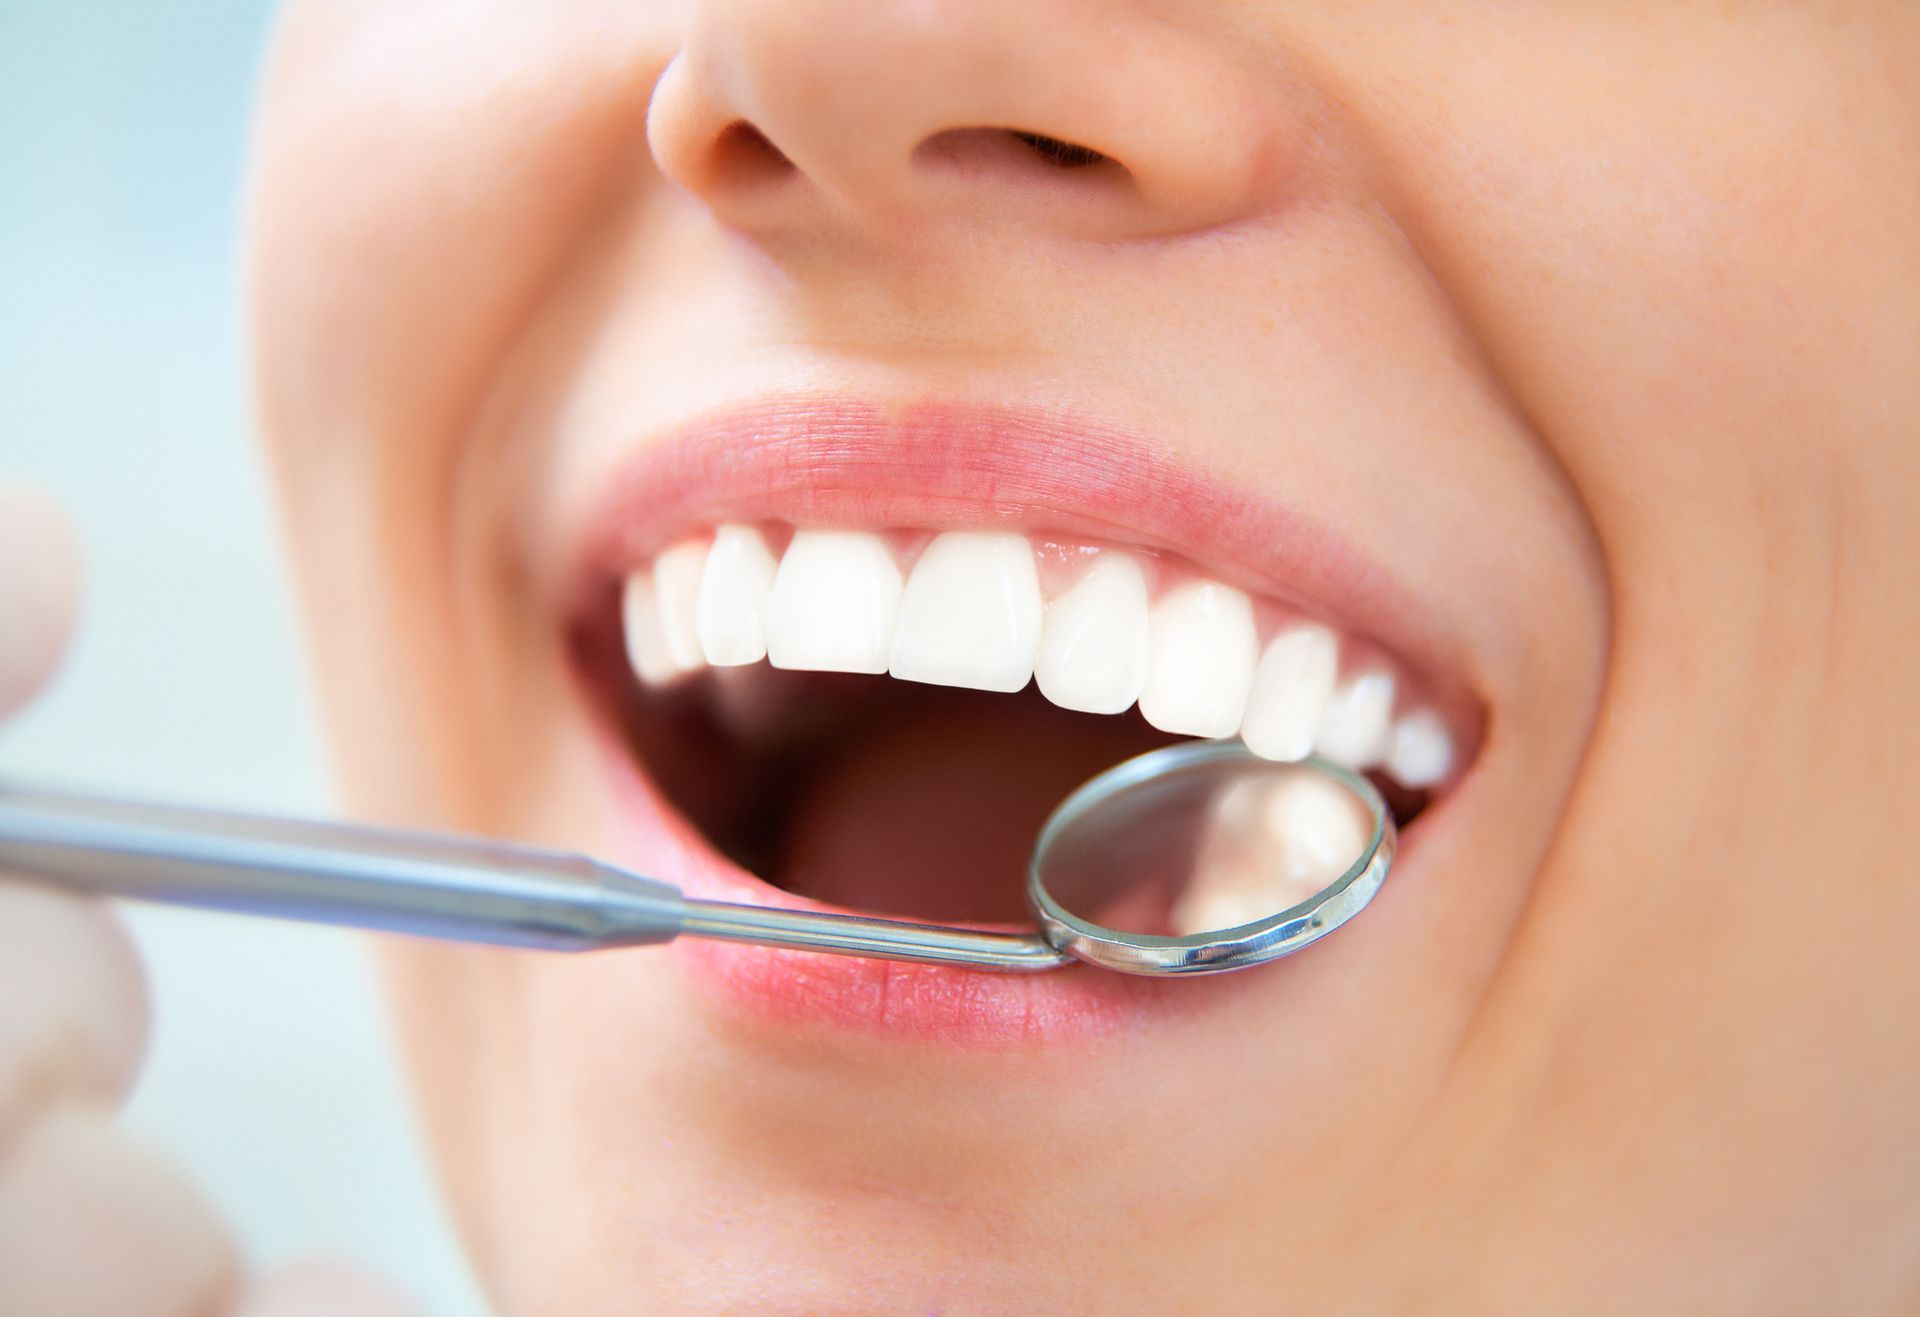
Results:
837 463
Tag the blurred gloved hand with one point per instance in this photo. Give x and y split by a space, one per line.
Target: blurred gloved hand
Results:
93 1221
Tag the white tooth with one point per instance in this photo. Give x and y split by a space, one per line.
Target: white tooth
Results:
1290 689
676 581
833 603
971 613
1353 729
1323 825
1421 751
646 642
1269 843
732 614
1093 643
1201 648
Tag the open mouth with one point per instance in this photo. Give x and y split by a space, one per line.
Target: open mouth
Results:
877 714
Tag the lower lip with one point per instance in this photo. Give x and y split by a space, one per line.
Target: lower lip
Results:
938 1003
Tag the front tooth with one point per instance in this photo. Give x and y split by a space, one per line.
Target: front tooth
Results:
676 581
1093 643
1201 648
1421 750
833 603
970 615
732 613
646 641
1290 689
1353 729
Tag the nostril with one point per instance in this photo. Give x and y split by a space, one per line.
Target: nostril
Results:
1016 152
744 154
1067 155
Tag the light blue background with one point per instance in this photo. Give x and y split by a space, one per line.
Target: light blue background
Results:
122 387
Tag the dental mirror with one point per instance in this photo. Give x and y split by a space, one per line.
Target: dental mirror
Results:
1193 859
1203 857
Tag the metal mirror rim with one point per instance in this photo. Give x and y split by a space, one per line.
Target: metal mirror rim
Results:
1219 950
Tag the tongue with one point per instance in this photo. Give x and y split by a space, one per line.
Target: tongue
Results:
933 817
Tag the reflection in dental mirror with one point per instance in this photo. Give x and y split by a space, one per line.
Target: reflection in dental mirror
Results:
1267 842
1202 857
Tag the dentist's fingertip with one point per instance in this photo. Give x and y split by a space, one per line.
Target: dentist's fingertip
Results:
39 589
73 1007
94 1220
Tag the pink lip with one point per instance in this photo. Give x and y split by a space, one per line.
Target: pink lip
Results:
838 463
785 989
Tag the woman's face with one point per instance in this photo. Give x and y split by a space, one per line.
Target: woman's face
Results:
1556 361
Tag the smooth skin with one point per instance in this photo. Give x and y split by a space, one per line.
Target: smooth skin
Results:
1595 322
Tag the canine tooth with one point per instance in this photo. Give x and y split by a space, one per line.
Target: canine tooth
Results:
833 603
970 614
1421 750
1201 649
1093 642
1268 843
646 642
1290 689
1353 729
731 617
676 580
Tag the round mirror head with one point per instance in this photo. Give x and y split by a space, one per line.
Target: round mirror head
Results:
1203 857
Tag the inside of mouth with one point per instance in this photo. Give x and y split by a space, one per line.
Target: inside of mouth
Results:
888 797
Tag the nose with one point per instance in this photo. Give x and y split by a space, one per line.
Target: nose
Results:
1090 118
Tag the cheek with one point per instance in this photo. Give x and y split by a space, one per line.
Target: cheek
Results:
1692 262
419 177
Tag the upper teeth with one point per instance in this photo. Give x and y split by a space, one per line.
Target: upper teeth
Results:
732 612
1291 688
973 612
833 604
970 615
1093 641
1201 647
